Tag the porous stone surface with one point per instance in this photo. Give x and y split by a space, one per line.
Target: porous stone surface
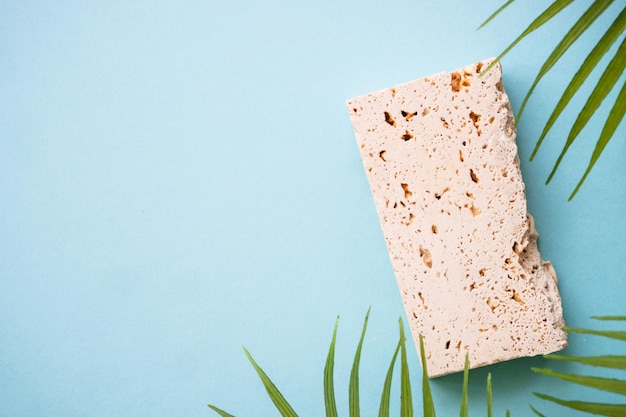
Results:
441 158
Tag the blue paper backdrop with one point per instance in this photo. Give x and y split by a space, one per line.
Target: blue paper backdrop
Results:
181 178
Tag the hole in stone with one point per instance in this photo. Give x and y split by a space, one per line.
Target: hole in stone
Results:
473 176
407 192
407 136
426 257
389 119
455 81
408 115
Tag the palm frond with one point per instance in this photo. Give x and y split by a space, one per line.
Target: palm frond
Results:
543 18
617 386
489 396
618 335
406 397
427 396
277 398
593 12
329 376
353 389
606 361
604 86
616 115
610 410
220 411
611 385
609 318
588 65
464 400
534 410
496 13
383 410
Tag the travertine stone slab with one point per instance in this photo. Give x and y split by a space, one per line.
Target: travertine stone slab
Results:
441 159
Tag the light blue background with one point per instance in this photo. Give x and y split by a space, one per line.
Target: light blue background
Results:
181 178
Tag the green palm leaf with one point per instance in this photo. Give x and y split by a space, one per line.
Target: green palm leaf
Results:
600 383
605 84
220 412
406 399
583 23
544 17
610 410
427 396
354 374
329 384
616 115
383 411
619 335
497 12
277 398
536 412
589 64
607 361
603 384
489 396
609 318
464 400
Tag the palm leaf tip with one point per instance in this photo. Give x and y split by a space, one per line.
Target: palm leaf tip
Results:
534 410
604 361
610 410
609 318
353 389
599 383
496 13
617 335
219 411
427 397
275 395
406 396
329 385
544 17
383 410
